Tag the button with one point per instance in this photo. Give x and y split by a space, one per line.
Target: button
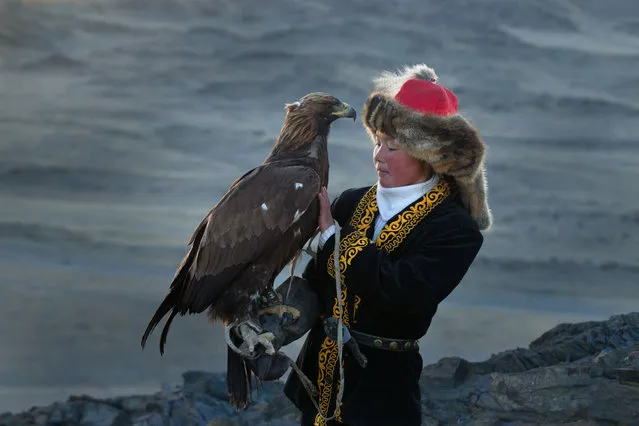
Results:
377 342
393 345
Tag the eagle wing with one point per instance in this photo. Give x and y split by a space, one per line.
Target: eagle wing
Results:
249 220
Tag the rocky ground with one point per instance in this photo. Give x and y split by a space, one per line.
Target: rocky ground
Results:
574 374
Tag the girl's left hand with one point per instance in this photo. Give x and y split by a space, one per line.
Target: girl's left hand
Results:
325 216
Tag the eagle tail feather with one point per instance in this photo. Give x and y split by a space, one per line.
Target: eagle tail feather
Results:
170 302
238 380
165 330
167 305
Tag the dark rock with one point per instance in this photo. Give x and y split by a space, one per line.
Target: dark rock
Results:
447 372
568 376
99 414
206 383
566 343
57 417
574 374
150 419
236 421
628 376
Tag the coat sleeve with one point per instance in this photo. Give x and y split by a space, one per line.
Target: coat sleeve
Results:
421 277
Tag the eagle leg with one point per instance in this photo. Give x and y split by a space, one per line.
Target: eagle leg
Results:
250 324
270 298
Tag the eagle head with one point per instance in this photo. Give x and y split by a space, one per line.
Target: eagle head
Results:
324 107
307 118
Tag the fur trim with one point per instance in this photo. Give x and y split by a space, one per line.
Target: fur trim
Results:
390 82
451 145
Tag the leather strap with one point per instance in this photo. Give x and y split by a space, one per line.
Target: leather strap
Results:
393 345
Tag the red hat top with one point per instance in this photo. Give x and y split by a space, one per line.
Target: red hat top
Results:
427 97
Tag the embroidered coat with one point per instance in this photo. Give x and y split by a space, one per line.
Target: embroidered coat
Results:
391 288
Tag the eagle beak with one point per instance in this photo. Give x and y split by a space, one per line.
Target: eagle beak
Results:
347 112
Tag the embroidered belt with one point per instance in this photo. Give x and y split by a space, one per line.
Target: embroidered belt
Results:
394 345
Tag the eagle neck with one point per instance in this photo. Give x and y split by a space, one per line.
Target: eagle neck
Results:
318 151
313 153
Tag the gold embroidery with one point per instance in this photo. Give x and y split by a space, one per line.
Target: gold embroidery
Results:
365 211
356 301
395 233
350 246
392 235
327 361
344 307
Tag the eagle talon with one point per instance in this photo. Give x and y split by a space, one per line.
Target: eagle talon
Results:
233 327
253 325
252 339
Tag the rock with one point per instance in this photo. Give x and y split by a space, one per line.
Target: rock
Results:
57 415
575 374
100 414
139 403
563 378
151 419
628 376
633 359
227 422
204 382
447 372
566 343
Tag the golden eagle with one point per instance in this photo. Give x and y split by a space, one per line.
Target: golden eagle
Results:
260 224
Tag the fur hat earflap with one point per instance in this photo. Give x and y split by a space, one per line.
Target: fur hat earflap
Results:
423 117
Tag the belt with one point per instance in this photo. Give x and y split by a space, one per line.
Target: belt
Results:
395 345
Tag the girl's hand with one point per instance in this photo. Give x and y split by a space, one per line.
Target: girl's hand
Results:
325 216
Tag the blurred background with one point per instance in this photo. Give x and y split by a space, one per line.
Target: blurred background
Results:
122 122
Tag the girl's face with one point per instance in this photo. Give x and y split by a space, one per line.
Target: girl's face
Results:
393 164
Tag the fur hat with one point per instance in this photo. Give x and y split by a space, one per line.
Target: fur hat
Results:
410 106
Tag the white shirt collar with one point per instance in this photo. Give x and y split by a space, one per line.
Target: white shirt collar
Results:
391 201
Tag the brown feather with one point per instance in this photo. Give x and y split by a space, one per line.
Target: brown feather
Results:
296 131
300 123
